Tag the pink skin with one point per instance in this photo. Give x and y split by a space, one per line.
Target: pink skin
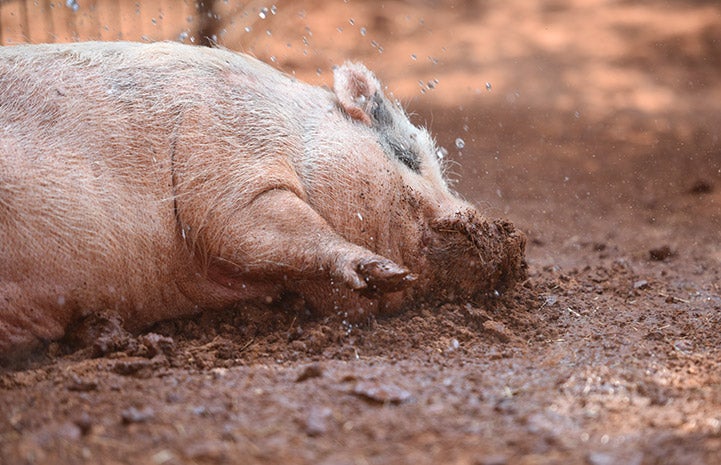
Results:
159 180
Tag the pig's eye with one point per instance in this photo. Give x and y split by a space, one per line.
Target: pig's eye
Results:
407 157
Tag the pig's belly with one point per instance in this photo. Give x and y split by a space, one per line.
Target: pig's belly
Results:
69 247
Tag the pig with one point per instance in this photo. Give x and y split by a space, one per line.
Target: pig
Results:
160 180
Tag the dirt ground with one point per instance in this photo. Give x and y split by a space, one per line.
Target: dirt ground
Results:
594 126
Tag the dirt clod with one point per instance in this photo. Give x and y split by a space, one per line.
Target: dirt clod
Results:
660 254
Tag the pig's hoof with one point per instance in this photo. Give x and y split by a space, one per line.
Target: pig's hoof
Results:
382 276
375 275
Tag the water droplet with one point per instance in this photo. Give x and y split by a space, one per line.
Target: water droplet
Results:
460 143
441 153
431 85
72 4
273 10
360 217
362 31
182 36
351 21
268 33
413 56
248 29
263 13
577 114
273 58
339 29
488 86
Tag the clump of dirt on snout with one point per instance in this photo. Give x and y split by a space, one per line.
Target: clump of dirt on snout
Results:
473 259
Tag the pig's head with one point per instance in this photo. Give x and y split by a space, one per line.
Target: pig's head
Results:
405 210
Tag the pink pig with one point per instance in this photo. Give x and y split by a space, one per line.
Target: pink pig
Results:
159 180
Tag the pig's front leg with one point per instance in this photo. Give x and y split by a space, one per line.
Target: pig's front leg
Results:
279 235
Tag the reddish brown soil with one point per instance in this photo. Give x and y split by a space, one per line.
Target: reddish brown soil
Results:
599 137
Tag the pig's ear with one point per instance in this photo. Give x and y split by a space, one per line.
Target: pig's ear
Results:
355 86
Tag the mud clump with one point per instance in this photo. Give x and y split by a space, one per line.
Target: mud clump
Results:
474 259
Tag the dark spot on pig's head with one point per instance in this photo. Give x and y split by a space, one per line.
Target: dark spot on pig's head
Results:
360 96
406 156
380 114
390 136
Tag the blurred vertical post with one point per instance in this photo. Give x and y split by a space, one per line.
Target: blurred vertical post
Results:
209 23
35 21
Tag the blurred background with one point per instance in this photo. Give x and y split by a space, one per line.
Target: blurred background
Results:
582 120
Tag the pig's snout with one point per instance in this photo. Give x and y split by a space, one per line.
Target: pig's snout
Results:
473 258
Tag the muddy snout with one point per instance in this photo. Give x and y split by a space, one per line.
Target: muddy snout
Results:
473 258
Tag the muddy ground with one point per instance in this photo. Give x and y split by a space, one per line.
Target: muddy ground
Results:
594 126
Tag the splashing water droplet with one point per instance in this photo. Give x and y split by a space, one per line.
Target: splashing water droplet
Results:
263 13
460 143
441 153
72 4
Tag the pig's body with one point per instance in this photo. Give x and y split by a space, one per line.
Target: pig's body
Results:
159 180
